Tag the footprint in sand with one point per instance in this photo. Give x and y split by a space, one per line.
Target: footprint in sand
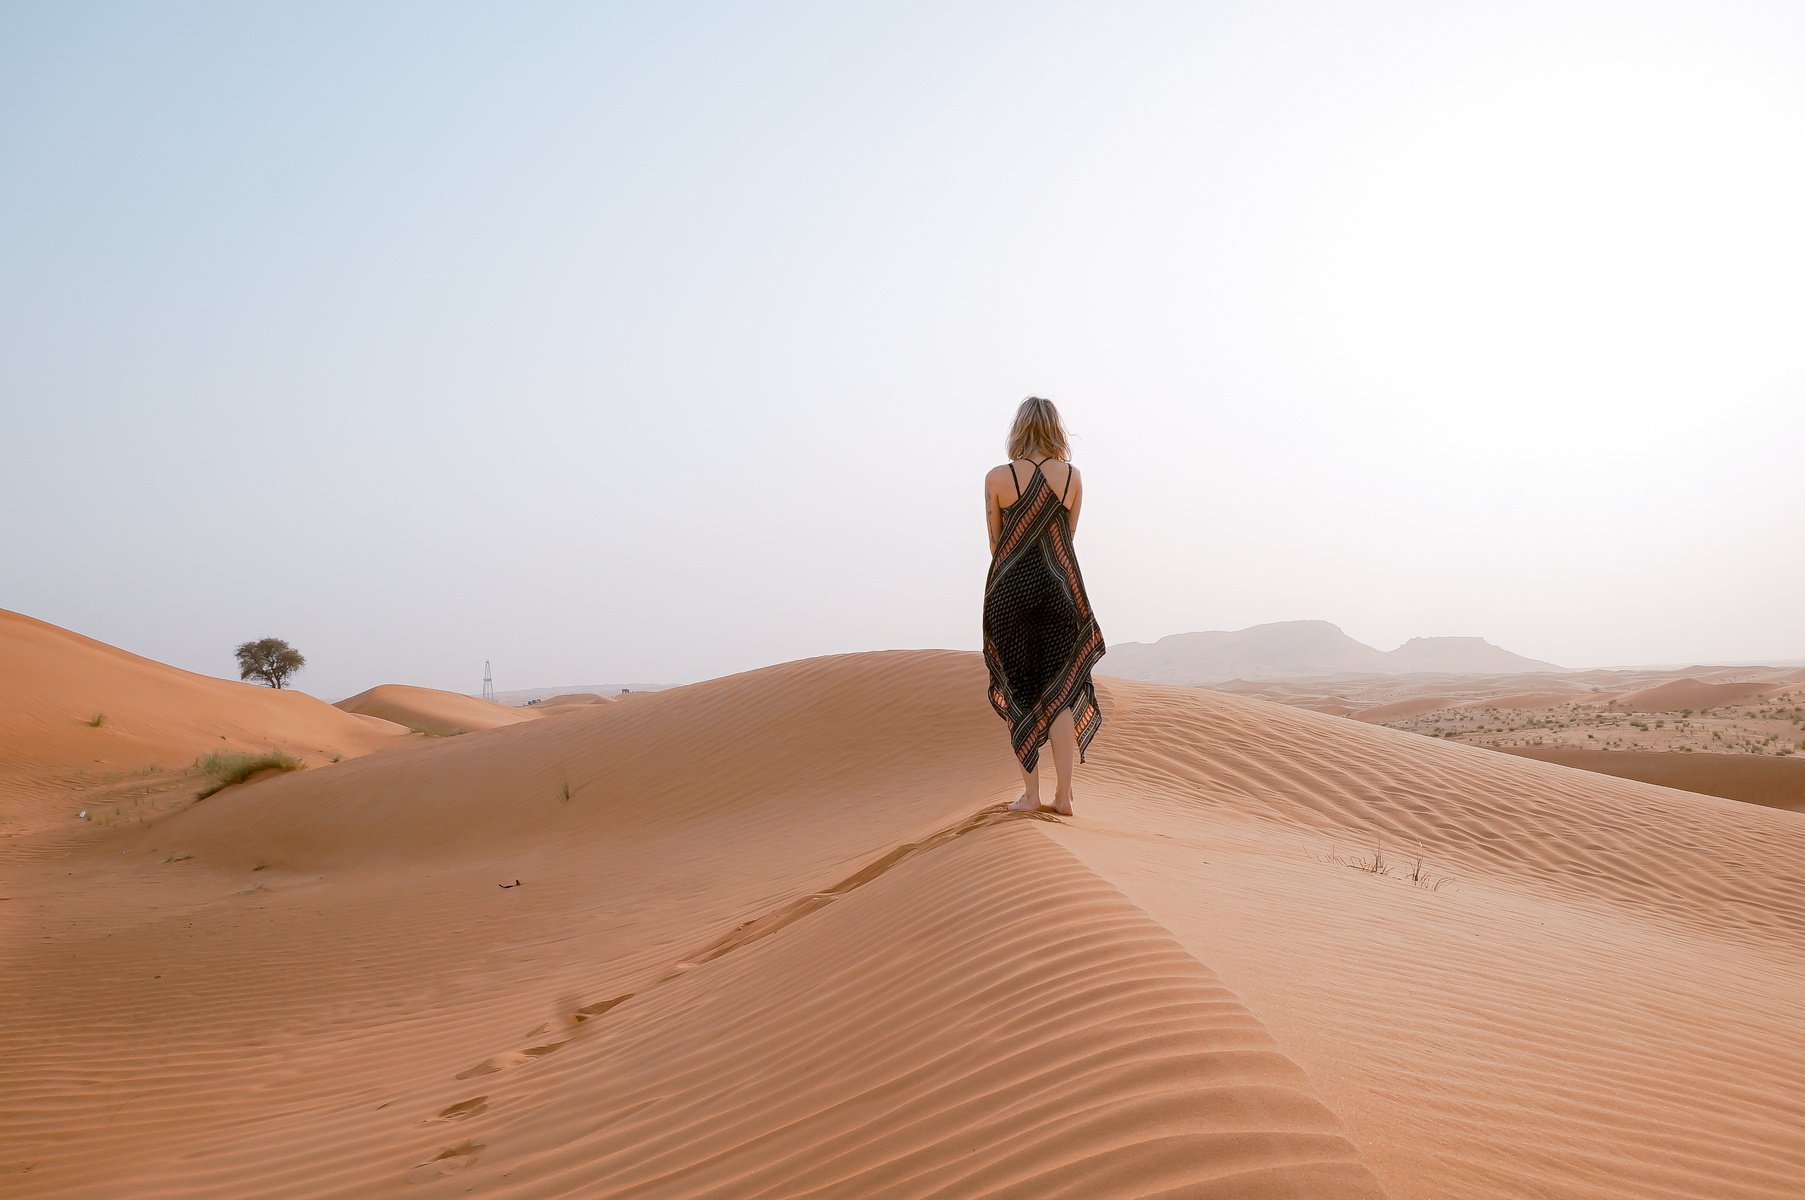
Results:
514 1058
589 1011
445 1162
463 1109
500 1062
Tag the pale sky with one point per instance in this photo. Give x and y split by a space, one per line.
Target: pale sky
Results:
655 342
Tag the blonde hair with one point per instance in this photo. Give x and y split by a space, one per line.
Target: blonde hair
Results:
1038 428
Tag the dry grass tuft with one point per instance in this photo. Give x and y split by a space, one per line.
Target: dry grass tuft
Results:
228 769
1377 864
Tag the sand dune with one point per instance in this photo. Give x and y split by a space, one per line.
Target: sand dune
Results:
153 721
573 698
773 937
1518 701
1627 723
519 697
427 710
1399 709
1753 779
1680 694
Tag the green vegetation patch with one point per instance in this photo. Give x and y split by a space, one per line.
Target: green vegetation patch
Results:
228 769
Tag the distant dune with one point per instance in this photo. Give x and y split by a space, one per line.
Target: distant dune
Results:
1378 714
1775 782
1302 649
433 711
773 935
1395 710
1519 701
573 698
75 712
520 696
1736 732
1695 694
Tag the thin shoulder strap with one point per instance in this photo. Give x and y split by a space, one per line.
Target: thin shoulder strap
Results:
1017 479
1068 482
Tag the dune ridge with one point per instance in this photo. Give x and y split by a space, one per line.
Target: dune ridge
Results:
1059 1028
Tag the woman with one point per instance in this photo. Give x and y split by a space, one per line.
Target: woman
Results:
1040 638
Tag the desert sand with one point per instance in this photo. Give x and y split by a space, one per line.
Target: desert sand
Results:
771 935
1776 782
84 725
428 710
1736 732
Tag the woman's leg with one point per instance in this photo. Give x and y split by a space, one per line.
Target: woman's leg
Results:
1030 797
1063 737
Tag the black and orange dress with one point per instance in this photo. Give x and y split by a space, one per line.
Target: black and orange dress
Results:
1040 638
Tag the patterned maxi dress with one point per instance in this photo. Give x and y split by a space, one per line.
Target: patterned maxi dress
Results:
1040 637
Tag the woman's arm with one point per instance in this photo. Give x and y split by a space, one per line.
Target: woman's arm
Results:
993 516
1071 515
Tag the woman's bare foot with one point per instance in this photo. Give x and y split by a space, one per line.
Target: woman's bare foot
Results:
1062 807
1022 804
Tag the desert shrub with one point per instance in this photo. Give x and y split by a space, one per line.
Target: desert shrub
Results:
228 769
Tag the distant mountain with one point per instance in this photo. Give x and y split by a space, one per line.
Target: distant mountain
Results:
1301 650
1459 656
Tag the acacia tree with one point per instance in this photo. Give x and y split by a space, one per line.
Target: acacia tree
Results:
270 659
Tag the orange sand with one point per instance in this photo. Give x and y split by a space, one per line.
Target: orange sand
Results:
156 720
780 940
1753 779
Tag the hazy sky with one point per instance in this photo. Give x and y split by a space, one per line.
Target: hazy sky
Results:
652 342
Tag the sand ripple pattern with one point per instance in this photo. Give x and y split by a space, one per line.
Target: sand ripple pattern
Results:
983 1018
